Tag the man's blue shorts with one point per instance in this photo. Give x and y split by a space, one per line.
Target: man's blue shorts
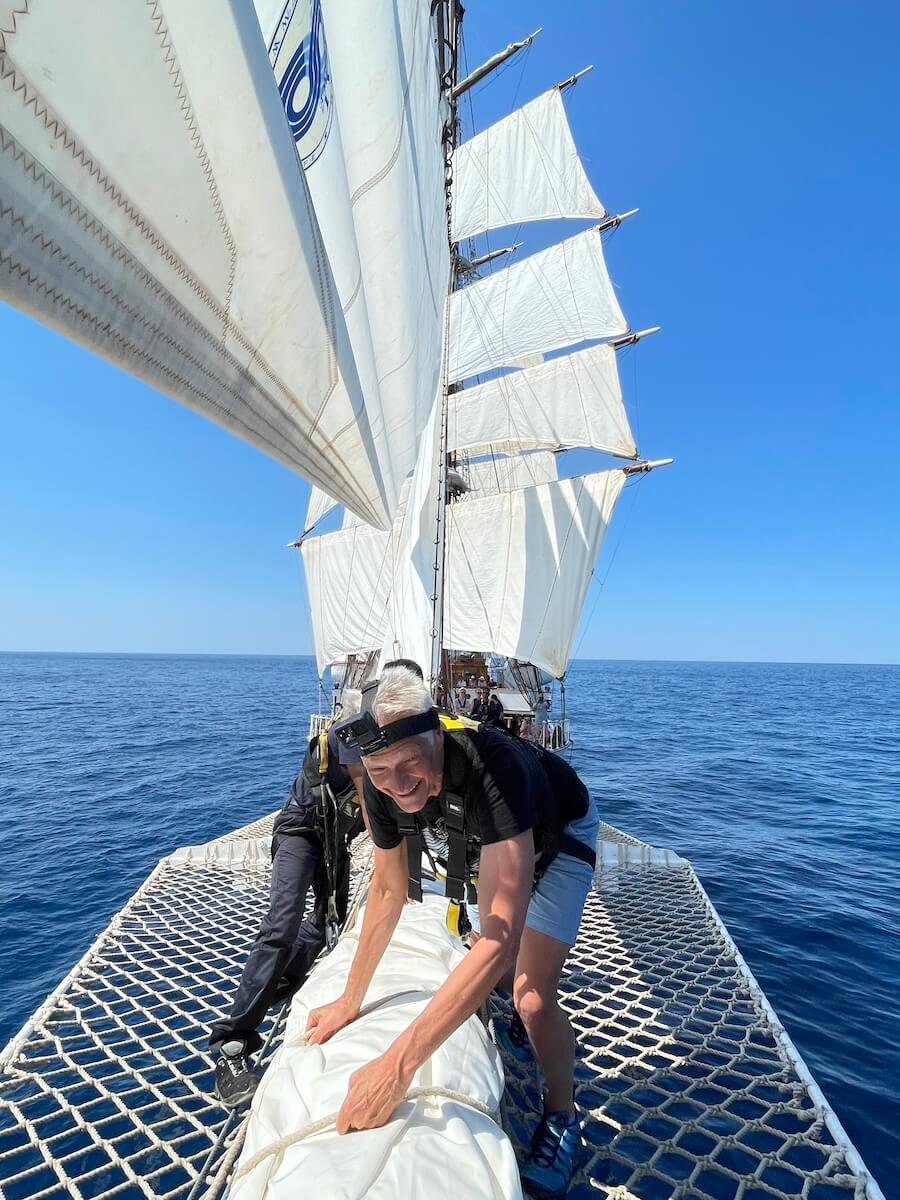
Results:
558 900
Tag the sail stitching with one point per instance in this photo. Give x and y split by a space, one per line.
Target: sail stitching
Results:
130 349
391 162
184 99
53 123
98 283
105 238
56 127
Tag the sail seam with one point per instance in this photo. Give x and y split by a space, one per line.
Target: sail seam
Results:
31 98
187 109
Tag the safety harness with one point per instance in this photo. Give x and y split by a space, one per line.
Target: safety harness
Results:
459 885
340 818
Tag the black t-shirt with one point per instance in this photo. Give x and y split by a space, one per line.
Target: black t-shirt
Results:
511 787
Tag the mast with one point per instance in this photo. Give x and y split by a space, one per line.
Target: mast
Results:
449 23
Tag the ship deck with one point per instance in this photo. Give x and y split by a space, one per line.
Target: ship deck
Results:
687 1082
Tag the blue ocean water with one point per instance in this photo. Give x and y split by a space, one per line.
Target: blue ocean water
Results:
780 782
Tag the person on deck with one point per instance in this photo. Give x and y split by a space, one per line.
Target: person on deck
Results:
519 804
288 943
494 713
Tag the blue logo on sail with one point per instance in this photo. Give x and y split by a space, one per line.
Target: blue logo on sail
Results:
300 59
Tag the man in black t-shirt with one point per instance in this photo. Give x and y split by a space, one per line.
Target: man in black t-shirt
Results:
518 801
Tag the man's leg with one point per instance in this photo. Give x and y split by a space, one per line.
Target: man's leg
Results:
294 868
535 991
309 940
551 928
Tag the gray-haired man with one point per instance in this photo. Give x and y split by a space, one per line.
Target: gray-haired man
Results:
511 806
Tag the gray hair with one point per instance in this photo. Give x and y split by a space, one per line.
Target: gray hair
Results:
401 693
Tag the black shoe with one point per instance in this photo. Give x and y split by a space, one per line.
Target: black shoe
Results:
235 1081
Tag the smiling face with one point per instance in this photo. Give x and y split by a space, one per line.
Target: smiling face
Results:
410 771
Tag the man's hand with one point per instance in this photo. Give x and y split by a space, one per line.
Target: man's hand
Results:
375 1091
324 1022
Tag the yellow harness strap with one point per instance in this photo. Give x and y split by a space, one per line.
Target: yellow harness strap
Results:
457 918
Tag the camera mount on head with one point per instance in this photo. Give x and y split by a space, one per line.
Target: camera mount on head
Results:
364 733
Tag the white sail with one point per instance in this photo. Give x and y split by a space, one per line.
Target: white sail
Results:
573 400
500 474
349 575
524 168
320 503
215 288
367 122
558 297
411 617
519 565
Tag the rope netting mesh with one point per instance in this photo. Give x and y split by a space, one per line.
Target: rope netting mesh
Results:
687 1084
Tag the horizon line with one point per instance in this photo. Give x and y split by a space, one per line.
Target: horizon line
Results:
770 662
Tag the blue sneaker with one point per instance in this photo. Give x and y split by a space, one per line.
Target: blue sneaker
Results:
553 1159
512 1038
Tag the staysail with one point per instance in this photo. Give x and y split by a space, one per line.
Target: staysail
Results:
370 141
218 290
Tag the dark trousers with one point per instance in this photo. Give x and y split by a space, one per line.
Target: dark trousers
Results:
287 943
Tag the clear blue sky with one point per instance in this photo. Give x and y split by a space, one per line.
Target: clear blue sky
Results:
761 143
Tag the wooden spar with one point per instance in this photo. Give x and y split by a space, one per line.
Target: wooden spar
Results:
491 65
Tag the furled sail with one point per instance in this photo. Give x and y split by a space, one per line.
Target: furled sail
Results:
369 135
519 565
524 168
216 290
573 400
501 474
558 297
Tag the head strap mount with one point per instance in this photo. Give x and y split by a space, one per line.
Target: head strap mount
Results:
365 734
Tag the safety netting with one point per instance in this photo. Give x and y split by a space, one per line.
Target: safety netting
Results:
688 1085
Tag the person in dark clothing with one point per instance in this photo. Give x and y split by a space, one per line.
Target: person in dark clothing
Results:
518 816
494 713
288 943
480 706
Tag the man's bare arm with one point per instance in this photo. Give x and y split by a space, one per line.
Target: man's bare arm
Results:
504 889
387 895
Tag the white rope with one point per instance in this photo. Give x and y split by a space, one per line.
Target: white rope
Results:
299 1135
